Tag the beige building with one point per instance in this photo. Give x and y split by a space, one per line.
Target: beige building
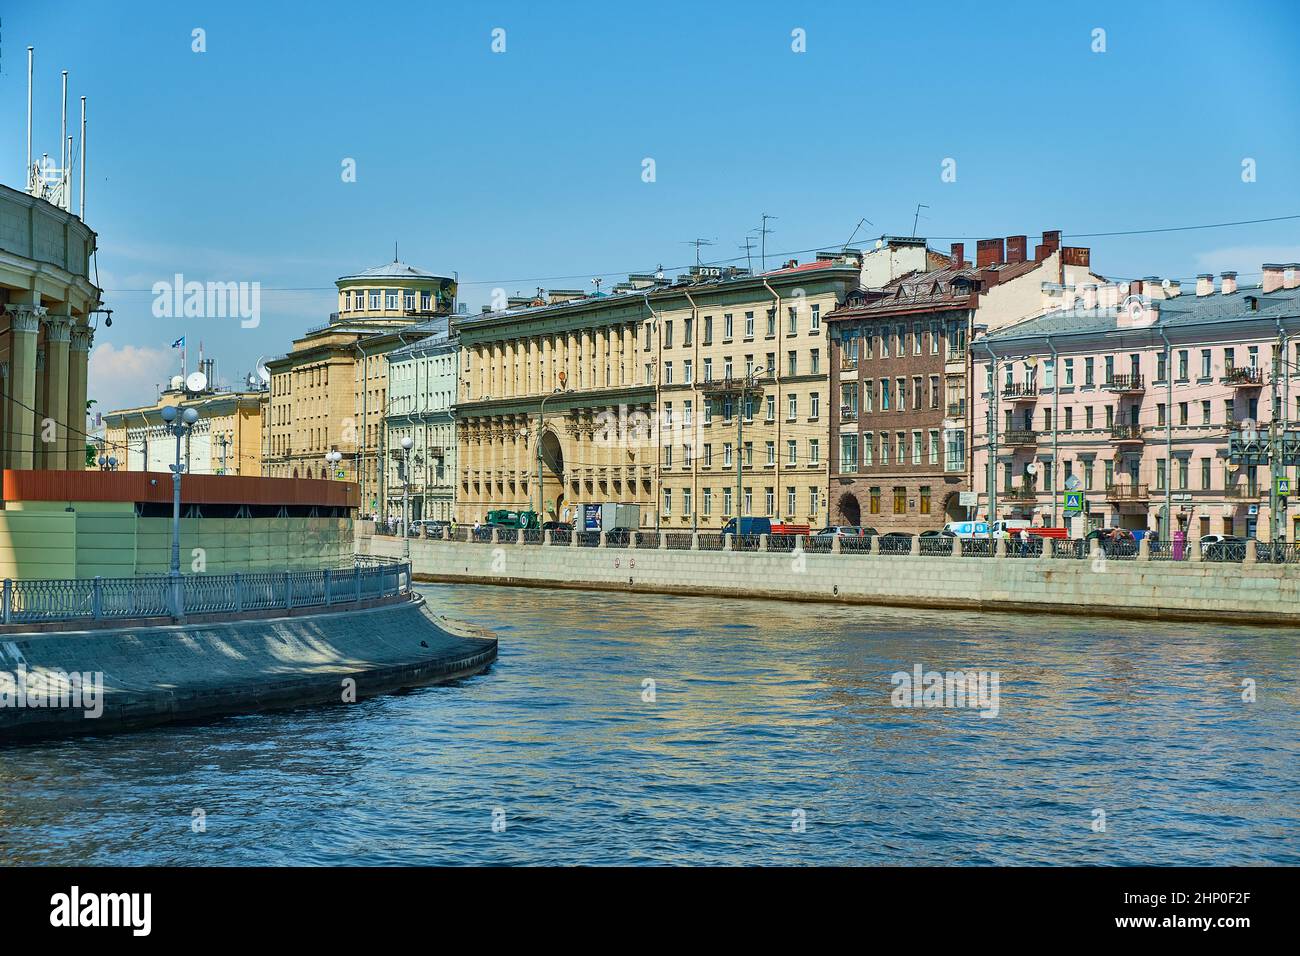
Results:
226 440
649 409
46 301
330 392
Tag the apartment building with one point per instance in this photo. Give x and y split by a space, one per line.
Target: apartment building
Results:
1151 401
330 392
423 379
900 370
226 439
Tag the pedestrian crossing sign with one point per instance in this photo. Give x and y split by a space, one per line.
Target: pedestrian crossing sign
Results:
1284 487
1074 502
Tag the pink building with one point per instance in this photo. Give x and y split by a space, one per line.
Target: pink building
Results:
1134 394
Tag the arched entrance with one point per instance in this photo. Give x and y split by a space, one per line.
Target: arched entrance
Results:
849 510
952 508
552 489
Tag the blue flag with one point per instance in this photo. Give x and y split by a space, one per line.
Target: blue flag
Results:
179 343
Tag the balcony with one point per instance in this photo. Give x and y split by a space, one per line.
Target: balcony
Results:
730 386
848 413
1018 436
1126 434
1020 391
955 355
1020 493
1126 385
848 365
1248 377
1127 491
957 409
1243 492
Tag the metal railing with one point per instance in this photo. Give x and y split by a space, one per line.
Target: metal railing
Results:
160 595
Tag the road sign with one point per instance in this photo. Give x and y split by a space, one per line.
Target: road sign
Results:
1072 483
1073 503
968 499
1284 486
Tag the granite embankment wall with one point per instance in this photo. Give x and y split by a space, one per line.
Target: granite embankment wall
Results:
1162 590
155 674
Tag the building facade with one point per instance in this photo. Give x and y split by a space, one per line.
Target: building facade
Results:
46 303
1135 396
901 368
330 392
226 439
423 379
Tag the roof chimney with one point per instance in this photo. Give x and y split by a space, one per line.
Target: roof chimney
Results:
1273 279
1205 284
1017 249
989 252
1291 278
958 255
1229 284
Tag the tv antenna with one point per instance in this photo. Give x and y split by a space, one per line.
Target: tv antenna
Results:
748 246
855 232
919 207
763 231
697 243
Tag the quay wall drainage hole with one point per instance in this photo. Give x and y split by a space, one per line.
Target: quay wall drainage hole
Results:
835 590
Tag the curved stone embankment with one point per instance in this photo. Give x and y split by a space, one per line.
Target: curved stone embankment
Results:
154 675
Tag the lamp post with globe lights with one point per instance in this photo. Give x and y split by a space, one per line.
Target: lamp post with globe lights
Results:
332 459
405 473
179 425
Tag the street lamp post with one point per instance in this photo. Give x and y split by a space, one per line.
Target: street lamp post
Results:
541 418
332 458
746 384
179 427
407 443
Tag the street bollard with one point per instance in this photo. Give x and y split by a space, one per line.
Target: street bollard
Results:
695 541
836 546
663 540
726 542
1144 549
633 537
1049 547
875 545
546 539
916 546
956 547
1252 552
762 542
601 542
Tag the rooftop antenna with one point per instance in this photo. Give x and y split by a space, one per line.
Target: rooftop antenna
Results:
395 259
764 231
65 147
697 243
855 232
31 184
748 246
919 207
82 190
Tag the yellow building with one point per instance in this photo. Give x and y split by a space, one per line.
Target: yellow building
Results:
46 301
330 392
648 407
226 440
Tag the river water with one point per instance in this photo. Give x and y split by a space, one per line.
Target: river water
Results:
770 738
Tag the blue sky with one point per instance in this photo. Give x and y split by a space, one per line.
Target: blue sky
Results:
523 169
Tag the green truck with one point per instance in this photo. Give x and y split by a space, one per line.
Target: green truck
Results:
517 520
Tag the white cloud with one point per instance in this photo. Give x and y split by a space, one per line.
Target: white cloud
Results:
124 376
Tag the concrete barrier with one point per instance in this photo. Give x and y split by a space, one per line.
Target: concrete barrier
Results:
1158 590
154 675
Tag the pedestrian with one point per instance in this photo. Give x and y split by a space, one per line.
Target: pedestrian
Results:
1024 541
1180 542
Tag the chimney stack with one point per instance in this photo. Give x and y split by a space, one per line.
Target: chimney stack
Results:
1229 284
1273 279
1051 242
989 252
1291 277
958 254
1017 248
1205 284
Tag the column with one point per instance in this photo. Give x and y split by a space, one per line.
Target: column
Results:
58 336
629 353
24 320
544 366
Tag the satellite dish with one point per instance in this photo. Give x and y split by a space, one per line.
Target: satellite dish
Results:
177 382
880 243
262 371
196 382
1165 283
1072 483
1031 468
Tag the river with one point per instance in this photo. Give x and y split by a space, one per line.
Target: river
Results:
768 736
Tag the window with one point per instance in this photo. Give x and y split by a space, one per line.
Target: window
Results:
749 454
770 404
813 497
688 409
390 300
668 456
1069 418
955 446
688 327
1110 369
374 300
934 391
791 452
708 370
726 501
1162 366
706 501
668 333
900 447
1182 474
771 452
790 501
816 323
815 361
1087 417
792 320
1182 413
1069 372
868 448
934 340
918 395
885 393
900 500
771 323
1160 413
925 499
727 325
874 501
884 448
1205 363
814 405
1182 365
1205 474
708 330
1205 412
726 454
1160 473
1088 378
916 447
749 325
668 501
668 373
916 338
814 451
408 301
868 396
791 363
902 394
848 453
792 406
934 447
706 459
749 500
688 372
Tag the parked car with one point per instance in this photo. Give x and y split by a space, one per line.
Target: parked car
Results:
845 531
896 542
1223 547
428 528
942 533
557 526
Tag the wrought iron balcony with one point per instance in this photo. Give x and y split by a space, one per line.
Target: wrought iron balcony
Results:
1126 434
1019 436
957 409
1020 391
1126 385
1020 493
1248 377
848 413
1243 492
1127 491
